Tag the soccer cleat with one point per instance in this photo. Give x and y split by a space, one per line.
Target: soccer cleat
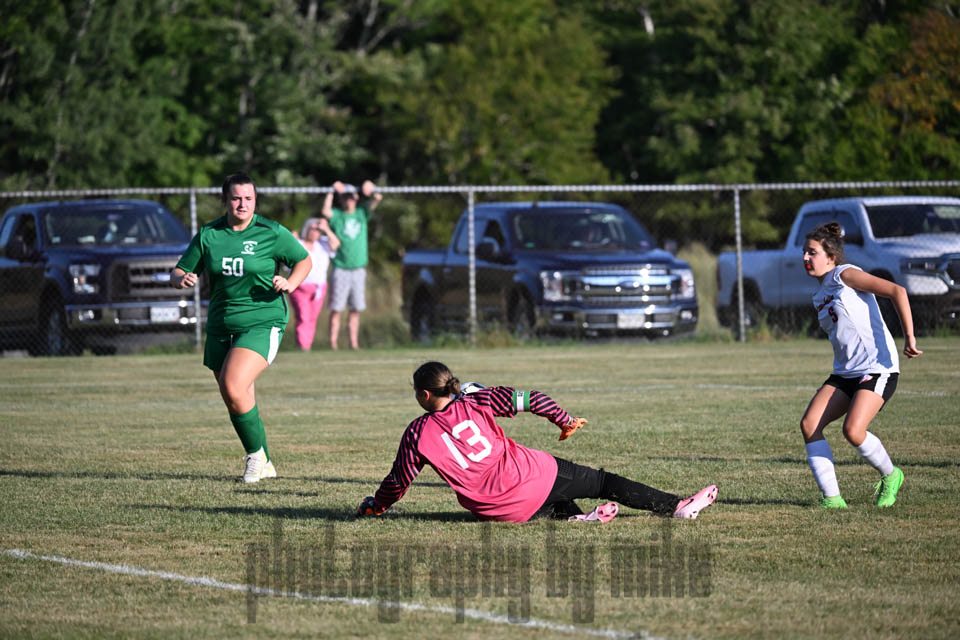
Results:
888 487
833 502
690 507
269 471
254 466
603 513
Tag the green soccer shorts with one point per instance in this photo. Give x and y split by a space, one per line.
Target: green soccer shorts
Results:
263 340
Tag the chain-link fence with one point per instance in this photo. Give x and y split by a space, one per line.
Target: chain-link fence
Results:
88 269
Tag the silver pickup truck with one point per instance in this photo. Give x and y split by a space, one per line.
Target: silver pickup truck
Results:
911 240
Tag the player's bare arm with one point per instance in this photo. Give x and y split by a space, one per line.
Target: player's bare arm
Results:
297 275
180 279
862 281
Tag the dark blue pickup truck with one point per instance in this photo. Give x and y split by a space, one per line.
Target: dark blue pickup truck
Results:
581 268
75 274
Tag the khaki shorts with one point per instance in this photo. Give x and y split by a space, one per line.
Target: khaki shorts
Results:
263 340
348 286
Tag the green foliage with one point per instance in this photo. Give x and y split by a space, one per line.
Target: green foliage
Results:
509 94
489 92
905 124
725 91
81 106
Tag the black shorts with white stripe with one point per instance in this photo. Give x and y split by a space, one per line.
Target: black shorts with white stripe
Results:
882 384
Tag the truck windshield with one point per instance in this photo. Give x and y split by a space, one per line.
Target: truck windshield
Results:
92 226
901 220
579 230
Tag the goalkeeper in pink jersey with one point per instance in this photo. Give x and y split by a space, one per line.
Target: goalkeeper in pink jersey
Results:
497 479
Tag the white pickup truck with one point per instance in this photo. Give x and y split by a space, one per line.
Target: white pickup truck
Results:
911 240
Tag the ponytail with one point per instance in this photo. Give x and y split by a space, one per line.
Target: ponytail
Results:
436 378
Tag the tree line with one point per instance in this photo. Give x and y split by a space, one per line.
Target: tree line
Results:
112 93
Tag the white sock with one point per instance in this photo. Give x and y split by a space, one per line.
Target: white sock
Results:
820 459
873 452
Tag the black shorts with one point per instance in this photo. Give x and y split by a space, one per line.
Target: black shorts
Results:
573 481
882 384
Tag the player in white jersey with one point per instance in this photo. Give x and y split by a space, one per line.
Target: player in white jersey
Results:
865 365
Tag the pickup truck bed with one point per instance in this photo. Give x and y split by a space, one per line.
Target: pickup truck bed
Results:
911 240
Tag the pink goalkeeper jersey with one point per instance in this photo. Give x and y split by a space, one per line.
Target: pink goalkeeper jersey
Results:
494 477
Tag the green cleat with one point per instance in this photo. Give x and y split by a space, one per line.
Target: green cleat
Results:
833 502
888 487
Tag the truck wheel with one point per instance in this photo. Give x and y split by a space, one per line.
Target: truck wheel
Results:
55 338
521 318
421 321
752 312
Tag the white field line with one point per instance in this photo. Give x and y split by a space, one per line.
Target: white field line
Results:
474 614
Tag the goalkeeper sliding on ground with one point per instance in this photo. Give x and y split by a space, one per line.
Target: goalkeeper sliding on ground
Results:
496 478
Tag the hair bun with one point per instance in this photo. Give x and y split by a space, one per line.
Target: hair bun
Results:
834 229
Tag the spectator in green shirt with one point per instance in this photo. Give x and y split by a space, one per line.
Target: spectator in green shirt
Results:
349 221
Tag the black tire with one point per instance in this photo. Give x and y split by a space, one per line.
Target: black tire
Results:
521 318
421 321
753 311
55 338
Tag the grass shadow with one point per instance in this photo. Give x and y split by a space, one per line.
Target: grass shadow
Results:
153 476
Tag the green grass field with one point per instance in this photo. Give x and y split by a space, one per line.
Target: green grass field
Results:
131 462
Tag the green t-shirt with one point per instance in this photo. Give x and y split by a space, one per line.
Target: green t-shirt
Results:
351 228
240 266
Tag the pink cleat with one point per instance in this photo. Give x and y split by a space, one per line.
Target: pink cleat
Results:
691 507
603 513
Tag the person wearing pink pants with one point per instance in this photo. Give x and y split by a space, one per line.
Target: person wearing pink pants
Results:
307 300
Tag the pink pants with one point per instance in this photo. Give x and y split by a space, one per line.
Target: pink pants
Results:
307 301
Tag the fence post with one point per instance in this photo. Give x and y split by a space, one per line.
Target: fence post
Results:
737 231
197 306
472 253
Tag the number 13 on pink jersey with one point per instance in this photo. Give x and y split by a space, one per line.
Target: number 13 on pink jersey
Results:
477 437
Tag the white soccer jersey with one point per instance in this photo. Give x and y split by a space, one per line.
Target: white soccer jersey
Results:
862 343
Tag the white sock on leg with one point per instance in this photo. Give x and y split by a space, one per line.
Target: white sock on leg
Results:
820 459
874 452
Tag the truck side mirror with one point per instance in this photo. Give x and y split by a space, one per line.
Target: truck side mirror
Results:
488 249
17 250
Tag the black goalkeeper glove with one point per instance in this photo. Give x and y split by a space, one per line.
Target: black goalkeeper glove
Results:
369 507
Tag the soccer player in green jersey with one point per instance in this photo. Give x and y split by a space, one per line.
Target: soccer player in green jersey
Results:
241 252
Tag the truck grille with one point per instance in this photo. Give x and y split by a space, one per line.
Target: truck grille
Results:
138 279
627 270
625 301
625 286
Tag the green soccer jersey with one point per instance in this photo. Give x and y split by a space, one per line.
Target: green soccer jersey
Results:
351 228
240 266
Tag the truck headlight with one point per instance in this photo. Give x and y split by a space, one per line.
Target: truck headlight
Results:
923 266
687 289
85 278
554 287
